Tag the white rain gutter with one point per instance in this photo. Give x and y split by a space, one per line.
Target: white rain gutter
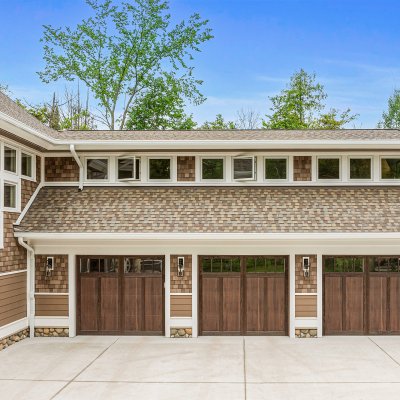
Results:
79 162
30 285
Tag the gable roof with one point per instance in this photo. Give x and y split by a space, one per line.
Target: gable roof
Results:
214 210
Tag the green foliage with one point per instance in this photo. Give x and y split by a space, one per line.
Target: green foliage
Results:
161 107
4 89
391 117
121 51
218 124
301 105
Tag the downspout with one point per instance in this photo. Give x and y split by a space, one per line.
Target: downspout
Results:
30 286
78 161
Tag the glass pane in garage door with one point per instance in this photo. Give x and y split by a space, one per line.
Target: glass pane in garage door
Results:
98 265
143 265
344 264
265 265
385 264
220 264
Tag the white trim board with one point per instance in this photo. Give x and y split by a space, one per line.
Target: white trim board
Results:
52 322
12 272
13 327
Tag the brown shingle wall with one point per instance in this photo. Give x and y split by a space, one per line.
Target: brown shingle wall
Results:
61 169
302 168
186 168
306 285
181 284
12 256
58 281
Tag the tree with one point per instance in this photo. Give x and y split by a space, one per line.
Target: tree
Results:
4 89
121 50
301 106
247 119
391 117
162 107
67 113
218 124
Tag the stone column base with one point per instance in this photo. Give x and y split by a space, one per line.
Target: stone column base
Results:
306 333
181 332
51 332
14 338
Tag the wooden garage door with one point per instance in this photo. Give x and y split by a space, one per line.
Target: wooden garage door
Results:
120 295
361 295
243 295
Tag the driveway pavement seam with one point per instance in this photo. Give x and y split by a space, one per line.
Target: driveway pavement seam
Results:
83 369
377 345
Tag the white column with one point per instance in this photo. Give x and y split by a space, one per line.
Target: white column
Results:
72 294
319 294
167 294
31 294
195 288
292 295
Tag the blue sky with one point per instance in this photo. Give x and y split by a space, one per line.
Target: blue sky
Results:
353 46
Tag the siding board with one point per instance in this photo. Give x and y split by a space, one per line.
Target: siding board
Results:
306 306
51 305
181 306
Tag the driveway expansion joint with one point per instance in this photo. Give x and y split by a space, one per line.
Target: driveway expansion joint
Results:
381 348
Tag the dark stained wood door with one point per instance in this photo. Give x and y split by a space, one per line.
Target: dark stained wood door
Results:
120 295
361 295
242 295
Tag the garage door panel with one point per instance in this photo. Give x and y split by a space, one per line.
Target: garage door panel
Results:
153 305
275 304
88 304
354 304
231 289
109 304
133 304
210 304
377 304
333 304
254 307
394 319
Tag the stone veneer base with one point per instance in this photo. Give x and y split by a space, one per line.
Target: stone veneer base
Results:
14 338
306 333
181 332
51 332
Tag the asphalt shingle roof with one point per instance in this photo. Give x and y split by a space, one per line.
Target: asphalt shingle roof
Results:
214 209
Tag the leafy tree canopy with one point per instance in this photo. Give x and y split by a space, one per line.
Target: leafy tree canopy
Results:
301 106
391 117
122 51
218 124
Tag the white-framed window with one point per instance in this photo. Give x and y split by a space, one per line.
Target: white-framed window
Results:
244 168
128 168
159 168
10 195
276 168
360 168
10 159
212 168
328 168
27 165
390 167
97 168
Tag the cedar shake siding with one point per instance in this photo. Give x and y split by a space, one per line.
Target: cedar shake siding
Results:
214 210
186 168
306 285
57 282
61 169
302 168
181 284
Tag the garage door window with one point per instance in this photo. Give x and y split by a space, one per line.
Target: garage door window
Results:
265 264
344 264
145 265
221 265
99 265
385 264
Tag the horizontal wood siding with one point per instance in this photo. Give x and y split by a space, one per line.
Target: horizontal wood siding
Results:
181 306
12 298
306 306
51 305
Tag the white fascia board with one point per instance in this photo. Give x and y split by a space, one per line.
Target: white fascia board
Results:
207 236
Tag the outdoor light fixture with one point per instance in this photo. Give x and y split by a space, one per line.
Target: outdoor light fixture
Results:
49 266
306 267
181 266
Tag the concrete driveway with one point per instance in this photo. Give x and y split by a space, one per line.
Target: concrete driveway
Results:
234 368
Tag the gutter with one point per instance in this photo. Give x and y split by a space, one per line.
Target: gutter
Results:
30 285
79 162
